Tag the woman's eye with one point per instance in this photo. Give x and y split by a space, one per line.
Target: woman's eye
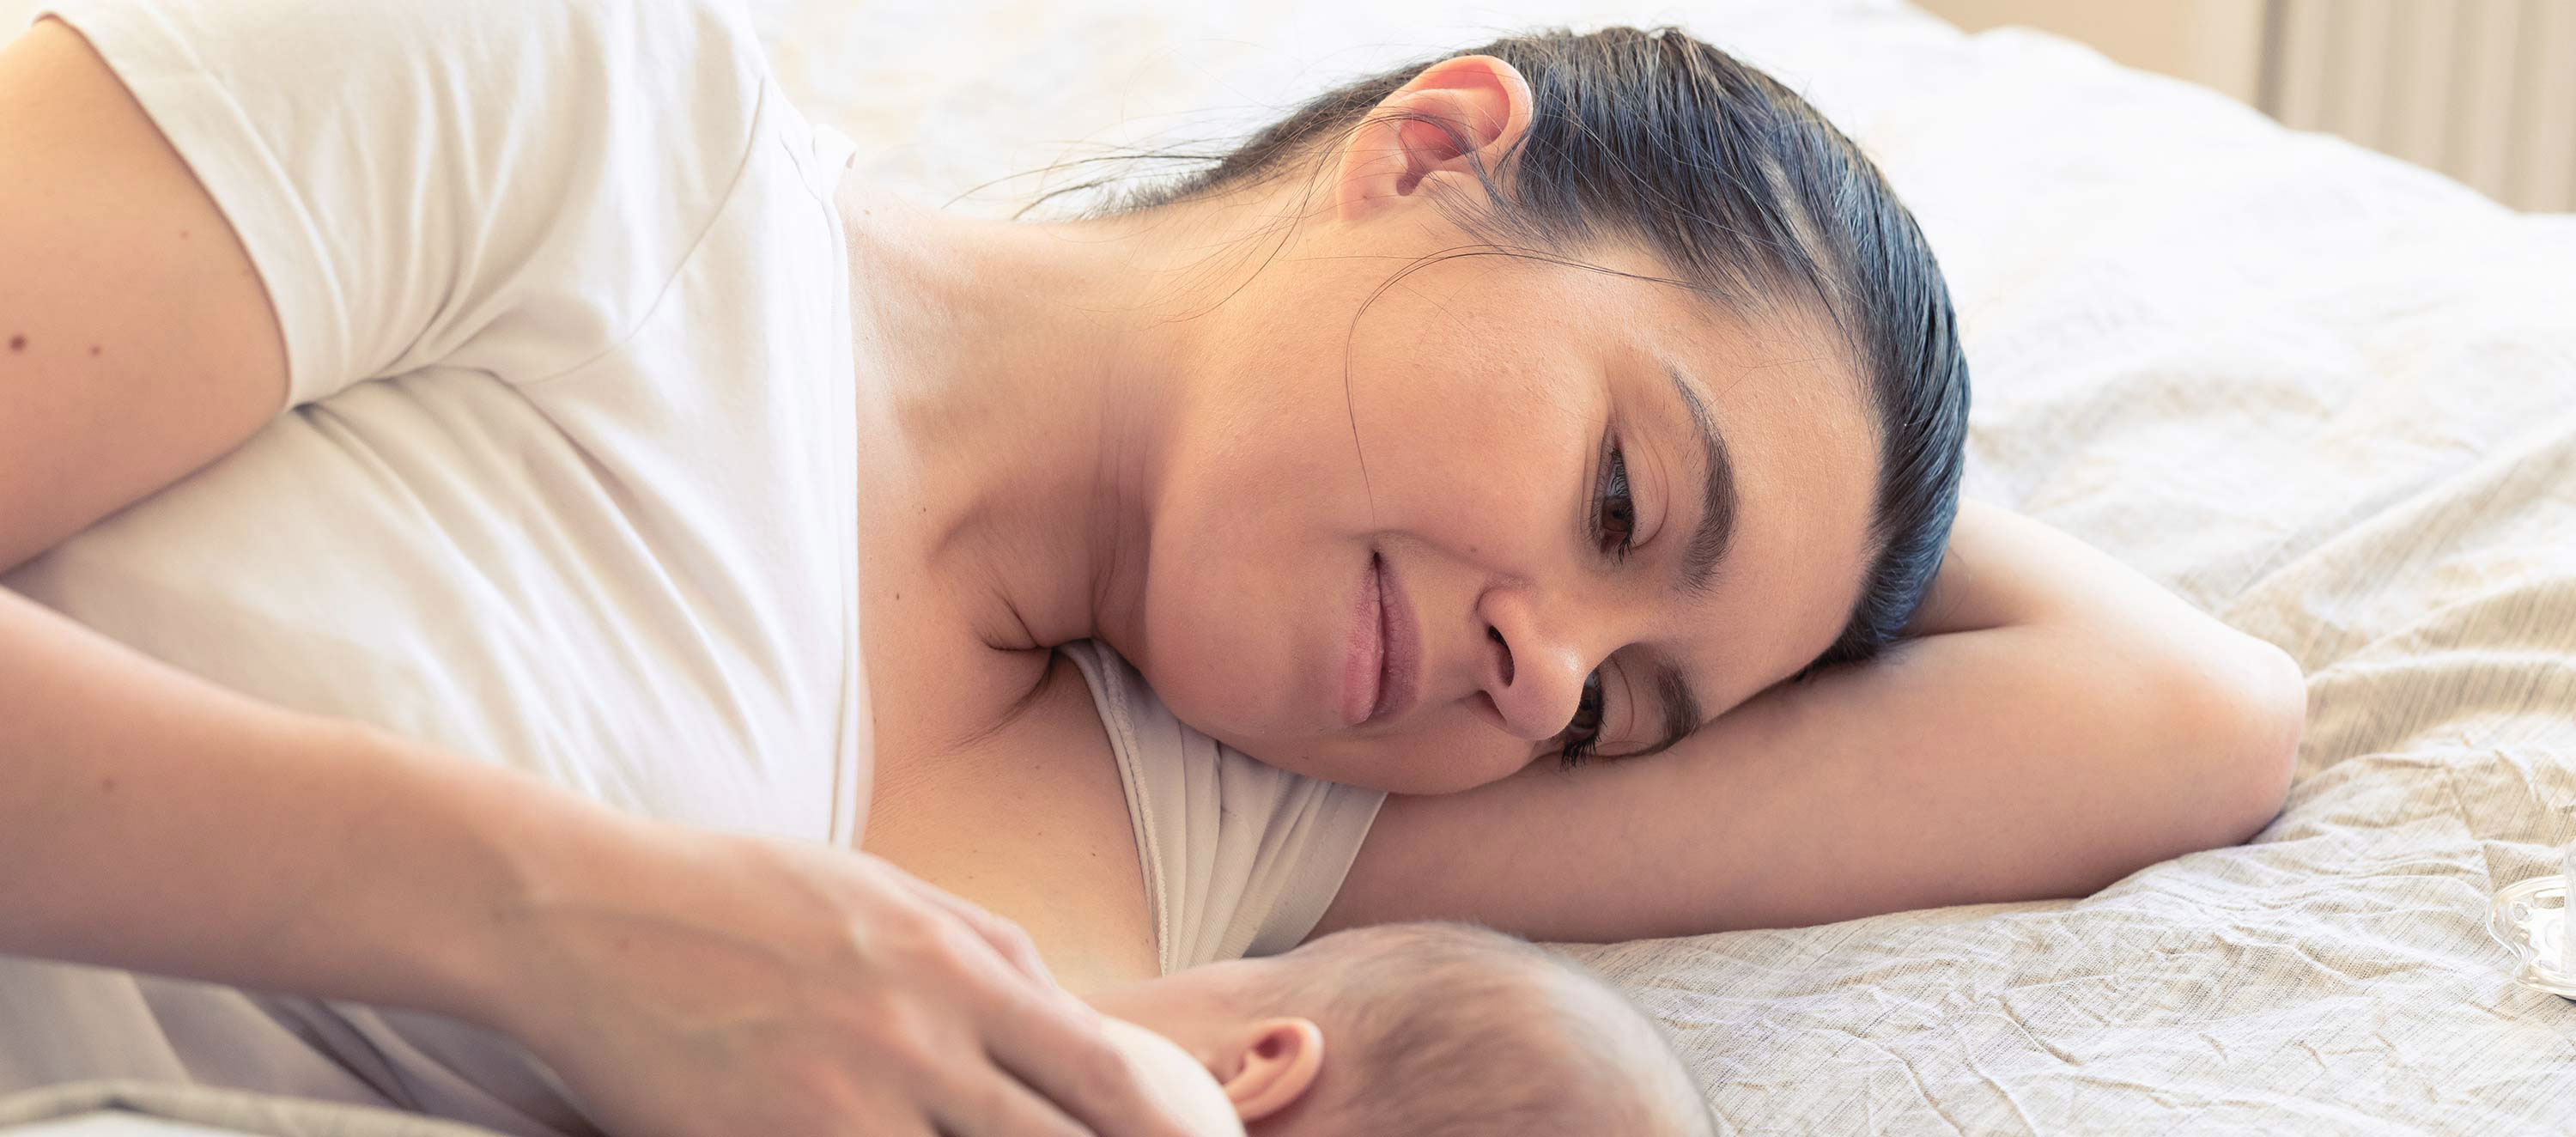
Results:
1615 514
1583 735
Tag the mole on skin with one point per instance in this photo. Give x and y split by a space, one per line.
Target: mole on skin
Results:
17 343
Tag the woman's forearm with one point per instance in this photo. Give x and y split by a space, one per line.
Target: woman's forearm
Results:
2059 722
152 821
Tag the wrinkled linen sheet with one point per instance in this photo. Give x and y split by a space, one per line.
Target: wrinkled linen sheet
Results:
2325 395
116 1107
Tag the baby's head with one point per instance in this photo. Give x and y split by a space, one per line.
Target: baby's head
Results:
1418 1030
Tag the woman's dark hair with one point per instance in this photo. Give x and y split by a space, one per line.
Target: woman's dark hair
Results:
1753 200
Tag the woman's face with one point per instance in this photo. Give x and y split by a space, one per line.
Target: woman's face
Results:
1395 553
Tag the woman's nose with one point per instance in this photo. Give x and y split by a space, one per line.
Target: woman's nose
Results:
1535 678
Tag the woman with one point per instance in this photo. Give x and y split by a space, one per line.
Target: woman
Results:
1556 402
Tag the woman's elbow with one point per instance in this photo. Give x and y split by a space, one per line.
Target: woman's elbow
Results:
2258 708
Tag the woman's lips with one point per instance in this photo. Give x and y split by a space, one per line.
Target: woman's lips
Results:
1383 669
1403 663
1364 663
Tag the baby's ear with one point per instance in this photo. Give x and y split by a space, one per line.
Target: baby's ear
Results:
1271 1063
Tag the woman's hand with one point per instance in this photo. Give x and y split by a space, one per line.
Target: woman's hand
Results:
717 985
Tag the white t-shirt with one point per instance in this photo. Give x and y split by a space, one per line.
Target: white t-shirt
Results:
566 478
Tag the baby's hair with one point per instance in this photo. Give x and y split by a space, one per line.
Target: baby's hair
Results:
1462 1031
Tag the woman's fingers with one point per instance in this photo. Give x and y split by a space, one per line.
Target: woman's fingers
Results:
718 984
1057 1068
1054 1072
1058 1049
996 1105
1051 1047
1006 937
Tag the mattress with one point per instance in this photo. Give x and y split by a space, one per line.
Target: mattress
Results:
2326 396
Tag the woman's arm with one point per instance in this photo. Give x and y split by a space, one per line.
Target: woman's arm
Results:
2054 722
136 343
149 820
681 981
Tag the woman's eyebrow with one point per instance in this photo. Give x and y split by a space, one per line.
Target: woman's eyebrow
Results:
1716 529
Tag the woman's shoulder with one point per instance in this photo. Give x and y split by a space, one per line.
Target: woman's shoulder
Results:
409 176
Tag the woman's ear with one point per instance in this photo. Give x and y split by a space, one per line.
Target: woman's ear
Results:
1270 1064
1484 99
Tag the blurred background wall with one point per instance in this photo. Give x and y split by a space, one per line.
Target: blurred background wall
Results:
2482 90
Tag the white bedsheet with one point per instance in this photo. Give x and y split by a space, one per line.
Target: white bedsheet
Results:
2327 396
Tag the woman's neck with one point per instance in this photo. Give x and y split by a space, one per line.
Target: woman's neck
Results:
1024 378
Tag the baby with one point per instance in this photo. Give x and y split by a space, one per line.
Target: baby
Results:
1405 1030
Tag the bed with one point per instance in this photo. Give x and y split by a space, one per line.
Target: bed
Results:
2323 394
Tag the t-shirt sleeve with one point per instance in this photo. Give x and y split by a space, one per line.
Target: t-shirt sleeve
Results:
506 185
